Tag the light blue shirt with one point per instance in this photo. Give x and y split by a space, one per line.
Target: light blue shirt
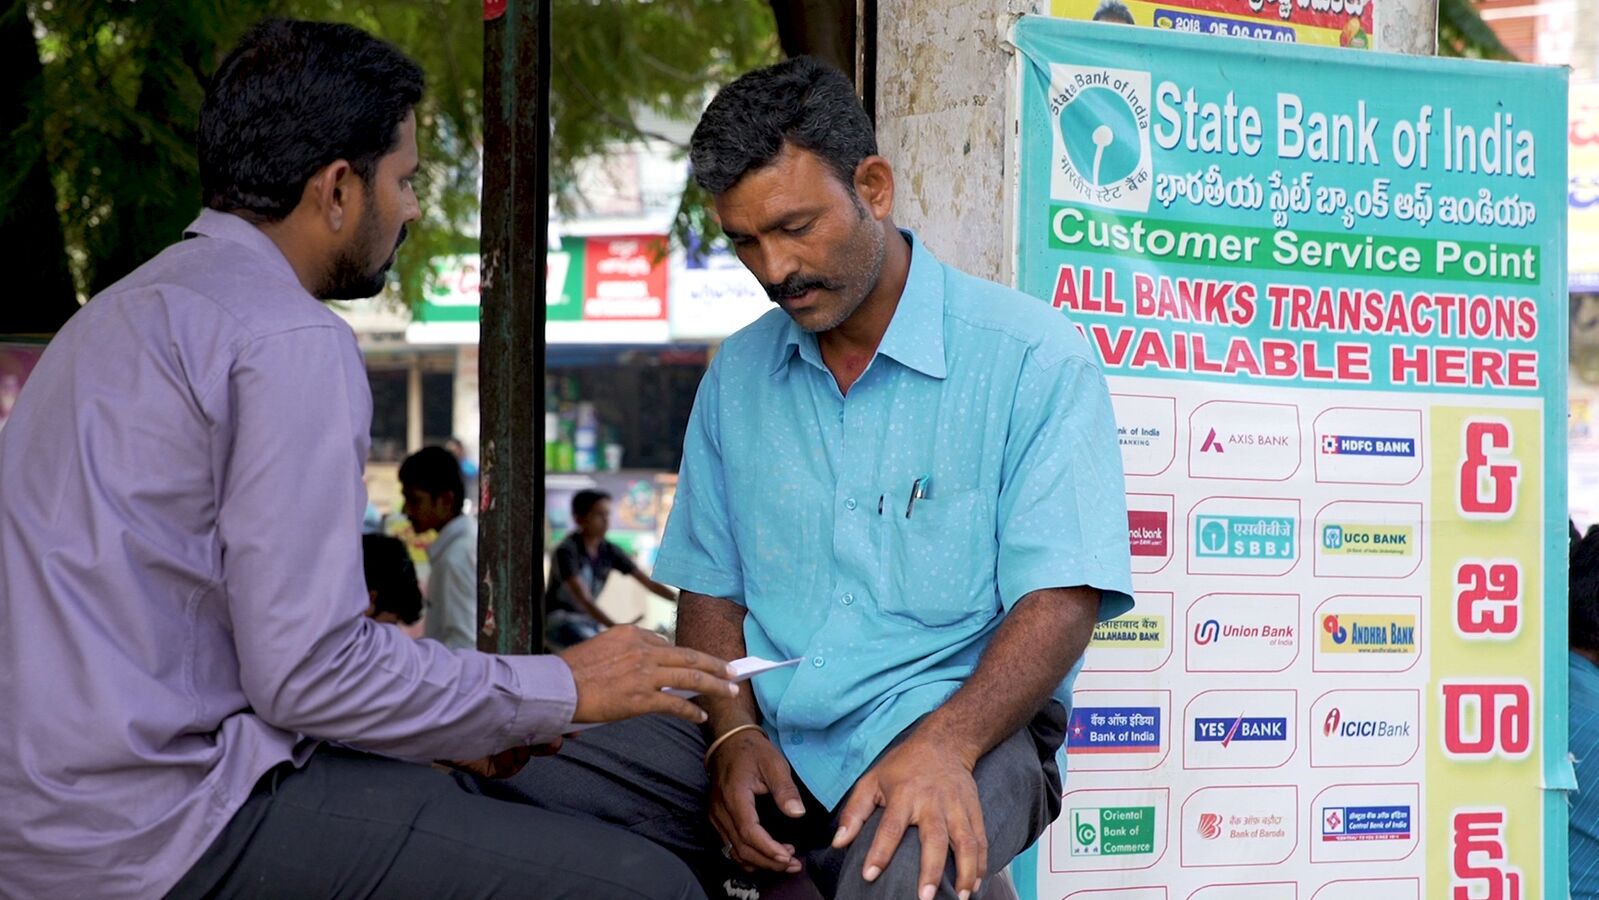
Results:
793 499
1583 834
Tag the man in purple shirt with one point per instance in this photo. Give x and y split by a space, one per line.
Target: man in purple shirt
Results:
181 592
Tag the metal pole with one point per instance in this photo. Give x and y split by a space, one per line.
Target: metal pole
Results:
515 230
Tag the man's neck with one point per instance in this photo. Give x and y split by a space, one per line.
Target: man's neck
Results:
848 349
1590 655
289 238
591 542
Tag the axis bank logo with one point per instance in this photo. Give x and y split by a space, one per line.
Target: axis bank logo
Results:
1211 444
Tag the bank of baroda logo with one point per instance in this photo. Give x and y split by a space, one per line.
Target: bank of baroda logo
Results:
1101 123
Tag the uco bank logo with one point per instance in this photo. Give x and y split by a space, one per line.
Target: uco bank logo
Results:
1101 140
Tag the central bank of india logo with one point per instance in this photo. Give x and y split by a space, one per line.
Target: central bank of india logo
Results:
1102 136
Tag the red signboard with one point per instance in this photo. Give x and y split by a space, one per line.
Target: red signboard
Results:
625 279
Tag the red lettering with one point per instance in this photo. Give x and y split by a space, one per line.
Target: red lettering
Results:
1480 857
1488 600
1502 714
1488 475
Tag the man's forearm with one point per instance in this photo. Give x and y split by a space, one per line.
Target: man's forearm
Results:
716 626
1040 639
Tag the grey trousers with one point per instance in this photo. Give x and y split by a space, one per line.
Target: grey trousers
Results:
646 775
350 825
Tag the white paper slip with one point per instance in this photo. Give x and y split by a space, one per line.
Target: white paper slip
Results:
743 670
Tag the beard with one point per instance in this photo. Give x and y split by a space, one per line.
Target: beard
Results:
353 277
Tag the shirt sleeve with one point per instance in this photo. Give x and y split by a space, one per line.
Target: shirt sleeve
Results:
1062 499
698 552
289 513
620 561
566 563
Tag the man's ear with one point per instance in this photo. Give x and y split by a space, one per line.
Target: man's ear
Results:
330 194
874 184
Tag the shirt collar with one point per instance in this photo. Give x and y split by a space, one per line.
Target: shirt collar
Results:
452 531
915 336
229 227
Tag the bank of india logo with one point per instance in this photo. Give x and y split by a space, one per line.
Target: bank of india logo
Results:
1101 139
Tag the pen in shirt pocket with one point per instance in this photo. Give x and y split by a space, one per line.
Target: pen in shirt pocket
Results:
918 492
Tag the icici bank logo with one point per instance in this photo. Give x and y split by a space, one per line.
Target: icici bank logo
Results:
1330 726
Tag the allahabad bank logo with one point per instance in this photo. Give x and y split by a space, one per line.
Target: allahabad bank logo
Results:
1101 140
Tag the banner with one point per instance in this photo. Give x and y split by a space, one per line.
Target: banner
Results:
1328 291
598 290
1331 23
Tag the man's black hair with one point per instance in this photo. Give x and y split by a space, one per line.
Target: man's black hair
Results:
1113 11
1584 587
583 502
292 97
803 102
391 574
434 470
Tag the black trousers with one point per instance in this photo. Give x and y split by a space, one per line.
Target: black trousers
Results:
351 825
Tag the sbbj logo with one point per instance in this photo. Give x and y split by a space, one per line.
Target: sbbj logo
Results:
1223 731
1335 726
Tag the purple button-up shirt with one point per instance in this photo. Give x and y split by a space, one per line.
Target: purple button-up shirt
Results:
181 591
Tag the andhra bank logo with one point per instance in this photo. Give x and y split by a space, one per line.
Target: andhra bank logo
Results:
1344 539
1368 633
1101 139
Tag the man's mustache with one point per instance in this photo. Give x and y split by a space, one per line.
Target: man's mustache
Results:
795 285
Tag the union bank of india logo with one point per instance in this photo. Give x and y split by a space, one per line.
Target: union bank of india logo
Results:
1101 140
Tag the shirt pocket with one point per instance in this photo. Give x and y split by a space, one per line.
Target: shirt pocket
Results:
938 563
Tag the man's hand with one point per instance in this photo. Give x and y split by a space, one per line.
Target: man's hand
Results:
743 768
924 783
620 673
505 763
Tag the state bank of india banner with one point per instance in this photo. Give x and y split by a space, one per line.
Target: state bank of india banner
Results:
1328 290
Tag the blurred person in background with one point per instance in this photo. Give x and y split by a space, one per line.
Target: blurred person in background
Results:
579 568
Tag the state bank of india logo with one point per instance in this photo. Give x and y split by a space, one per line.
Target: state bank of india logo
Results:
1101 140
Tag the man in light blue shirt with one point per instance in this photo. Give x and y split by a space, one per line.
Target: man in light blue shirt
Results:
1583 834
908 478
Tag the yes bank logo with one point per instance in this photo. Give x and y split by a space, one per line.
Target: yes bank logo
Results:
1101 136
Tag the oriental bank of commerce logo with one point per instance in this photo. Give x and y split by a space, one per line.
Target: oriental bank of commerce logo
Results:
1101 139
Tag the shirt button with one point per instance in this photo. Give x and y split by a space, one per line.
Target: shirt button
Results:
850 503
848 599
797 739
818 662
